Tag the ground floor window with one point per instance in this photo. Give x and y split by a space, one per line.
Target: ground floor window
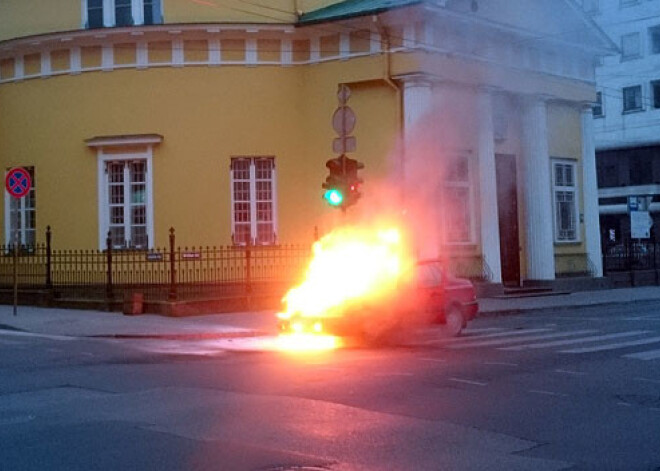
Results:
21 213
253 200
127 204
565 201
457 202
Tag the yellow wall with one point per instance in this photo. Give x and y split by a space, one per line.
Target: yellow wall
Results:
206 115
255 11
29 17
565 141
19 19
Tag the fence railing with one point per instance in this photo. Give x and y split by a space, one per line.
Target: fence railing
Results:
630 256
173 272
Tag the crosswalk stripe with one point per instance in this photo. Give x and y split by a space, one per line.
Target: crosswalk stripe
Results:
499 334
470 338
649 355
593 338
613 346
470 330
502 341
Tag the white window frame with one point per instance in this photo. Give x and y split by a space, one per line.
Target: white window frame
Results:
253 199
468 185
654 31
630 55
641 99
555 161
654 86
23 210
109 20
599 103
108 149
591 6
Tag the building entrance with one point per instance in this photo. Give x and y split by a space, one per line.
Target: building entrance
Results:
507 211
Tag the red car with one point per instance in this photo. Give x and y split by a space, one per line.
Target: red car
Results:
452 301
434 296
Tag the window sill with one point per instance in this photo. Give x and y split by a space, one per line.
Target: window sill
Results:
564 243
637 110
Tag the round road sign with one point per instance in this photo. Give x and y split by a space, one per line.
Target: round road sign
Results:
18 182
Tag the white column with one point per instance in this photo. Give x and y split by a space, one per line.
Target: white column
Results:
415 177
417 95
537 191
490 229
590 192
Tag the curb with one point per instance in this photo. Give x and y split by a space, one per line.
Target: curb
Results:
202 336
519 311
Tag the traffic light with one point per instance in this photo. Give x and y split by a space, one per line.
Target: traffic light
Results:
342 183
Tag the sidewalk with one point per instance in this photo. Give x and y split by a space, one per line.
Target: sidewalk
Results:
85 323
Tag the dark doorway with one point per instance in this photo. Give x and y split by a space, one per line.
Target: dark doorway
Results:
507 211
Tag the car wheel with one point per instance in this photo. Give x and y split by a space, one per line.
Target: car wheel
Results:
453 321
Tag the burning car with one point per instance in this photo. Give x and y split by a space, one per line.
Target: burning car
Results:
425 295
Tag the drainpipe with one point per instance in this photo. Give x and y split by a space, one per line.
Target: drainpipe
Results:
387 78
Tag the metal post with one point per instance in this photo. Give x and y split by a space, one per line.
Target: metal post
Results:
630 261
172 294
108 246
248 272
248 268
49 253
16 263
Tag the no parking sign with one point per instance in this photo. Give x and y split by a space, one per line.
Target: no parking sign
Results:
18 182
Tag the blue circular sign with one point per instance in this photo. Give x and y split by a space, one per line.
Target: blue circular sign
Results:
18 182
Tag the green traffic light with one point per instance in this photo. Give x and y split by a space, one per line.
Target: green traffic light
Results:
333 197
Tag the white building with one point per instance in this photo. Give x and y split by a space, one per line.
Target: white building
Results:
627 117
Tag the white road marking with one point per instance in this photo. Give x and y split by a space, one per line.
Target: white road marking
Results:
547 393
436 360
470 330
490 343
393 373
467 338
500 363
649 355
468 381
569 372
624 404
593 338
648 380
31 334
613 346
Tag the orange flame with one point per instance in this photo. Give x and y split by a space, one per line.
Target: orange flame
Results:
349 267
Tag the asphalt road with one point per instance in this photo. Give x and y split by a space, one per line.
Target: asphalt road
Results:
571 389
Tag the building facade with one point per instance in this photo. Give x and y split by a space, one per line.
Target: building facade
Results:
134 116
627 115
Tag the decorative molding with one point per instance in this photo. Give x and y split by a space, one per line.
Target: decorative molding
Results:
124 140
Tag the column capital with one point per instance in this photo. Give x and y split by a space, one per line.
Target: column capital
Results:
586 106
489 89
537 99
417 80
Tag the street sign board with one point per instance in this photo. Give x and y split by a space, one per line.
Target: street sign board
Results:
343 94
343 121
18 182
341 145
640 224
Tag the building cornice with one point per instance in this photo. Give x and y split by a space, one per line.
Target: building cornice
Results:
124 140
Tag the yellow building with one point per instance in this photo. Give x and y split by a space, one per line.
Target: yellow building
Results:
134 116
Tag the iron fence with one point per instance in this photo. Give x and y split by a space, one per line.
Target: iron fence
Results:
630 256
164 273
